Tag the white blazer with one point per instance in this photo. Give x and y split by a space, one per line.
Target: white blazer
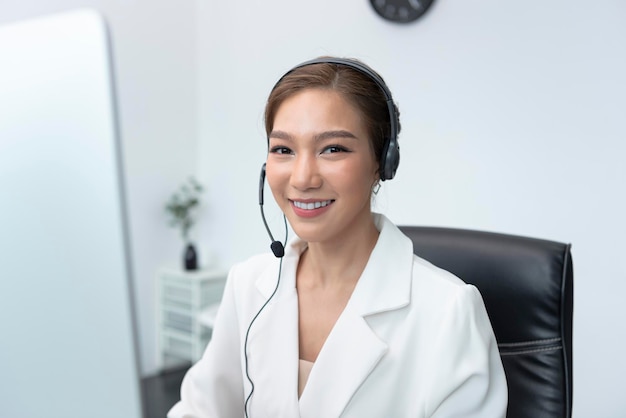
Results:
413 341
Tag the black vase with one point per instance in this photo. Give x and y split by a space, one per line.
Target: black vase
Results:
191 258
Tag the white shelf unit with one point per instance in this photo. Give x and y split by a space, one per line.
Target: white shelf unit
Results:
182 296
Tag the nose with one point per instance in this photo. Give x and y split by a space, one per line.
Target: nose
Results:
305 174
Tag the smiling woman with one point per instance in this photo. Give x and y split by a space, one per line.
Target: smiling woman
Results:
348 322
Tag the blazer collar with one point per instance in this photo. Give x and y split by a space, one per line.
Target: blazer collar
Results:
352 350
385 283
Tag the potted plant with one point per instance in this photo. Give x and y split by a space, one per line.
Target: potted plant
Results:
181 208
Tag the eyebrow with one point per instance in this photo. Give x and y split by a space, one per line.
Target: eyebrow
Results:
319 137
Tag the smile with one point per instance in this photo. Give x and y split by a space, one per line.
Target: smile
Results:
312 205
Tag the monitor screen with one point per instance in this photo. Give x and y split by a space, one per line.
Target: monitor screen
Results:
67 340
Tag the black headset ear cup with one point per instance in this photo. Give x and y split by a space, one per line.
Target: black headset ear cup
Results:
390 159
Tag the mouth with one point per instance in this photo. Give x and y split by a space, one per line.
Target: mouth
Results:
311 205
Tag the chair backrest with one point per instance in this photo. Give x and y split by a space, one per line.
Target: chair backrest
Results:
527 287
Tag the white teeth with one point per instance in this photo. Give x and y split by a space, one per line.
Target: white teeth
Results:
313 205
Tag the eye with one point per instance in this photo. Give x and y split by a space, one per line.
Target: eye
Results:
332 149
280 150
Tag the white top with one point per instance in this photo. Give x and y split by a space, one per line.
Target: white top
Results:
412 341
303 374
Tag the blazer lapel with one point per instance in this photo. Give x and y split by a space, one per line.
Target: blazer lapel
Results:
349 355
273 345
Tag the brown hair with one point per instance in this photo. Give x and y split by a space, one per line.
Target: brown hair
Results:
356 87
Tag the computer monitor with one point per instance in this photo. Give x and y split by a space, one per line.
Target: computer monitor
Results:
67 340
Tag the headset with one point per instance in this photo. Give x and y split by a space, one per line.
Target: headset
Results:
390 159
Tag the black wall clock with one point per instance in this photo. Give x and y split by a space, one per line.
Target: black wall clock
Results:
401 11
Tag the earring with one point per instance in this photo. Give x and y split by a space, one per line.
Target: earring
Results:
376 187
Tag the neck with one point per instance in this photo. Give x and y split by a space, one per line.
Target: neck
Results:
338 263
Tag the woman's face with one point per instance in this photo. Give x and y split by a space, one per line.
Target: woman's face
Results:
320 166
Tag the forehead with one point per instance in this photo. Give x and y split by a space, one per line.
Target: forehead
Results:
318 106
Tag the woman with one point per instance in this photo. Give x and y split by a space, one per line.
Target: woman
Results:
349 322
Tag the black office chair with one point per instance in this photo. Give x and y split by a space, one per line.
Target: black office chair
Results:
527 286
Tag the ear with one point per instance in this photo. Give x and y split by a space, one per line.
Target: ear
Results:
376 180
376 175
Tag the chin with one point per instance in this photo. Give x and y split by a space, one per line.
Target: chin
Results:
308 233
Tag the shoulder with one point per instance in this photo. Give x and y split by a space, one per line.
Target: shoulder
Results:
461 359
439 291
429 284
252 264
428 276
244 274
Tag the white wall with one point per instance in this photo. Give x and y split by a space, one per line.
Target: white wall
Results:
510 116
154 54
